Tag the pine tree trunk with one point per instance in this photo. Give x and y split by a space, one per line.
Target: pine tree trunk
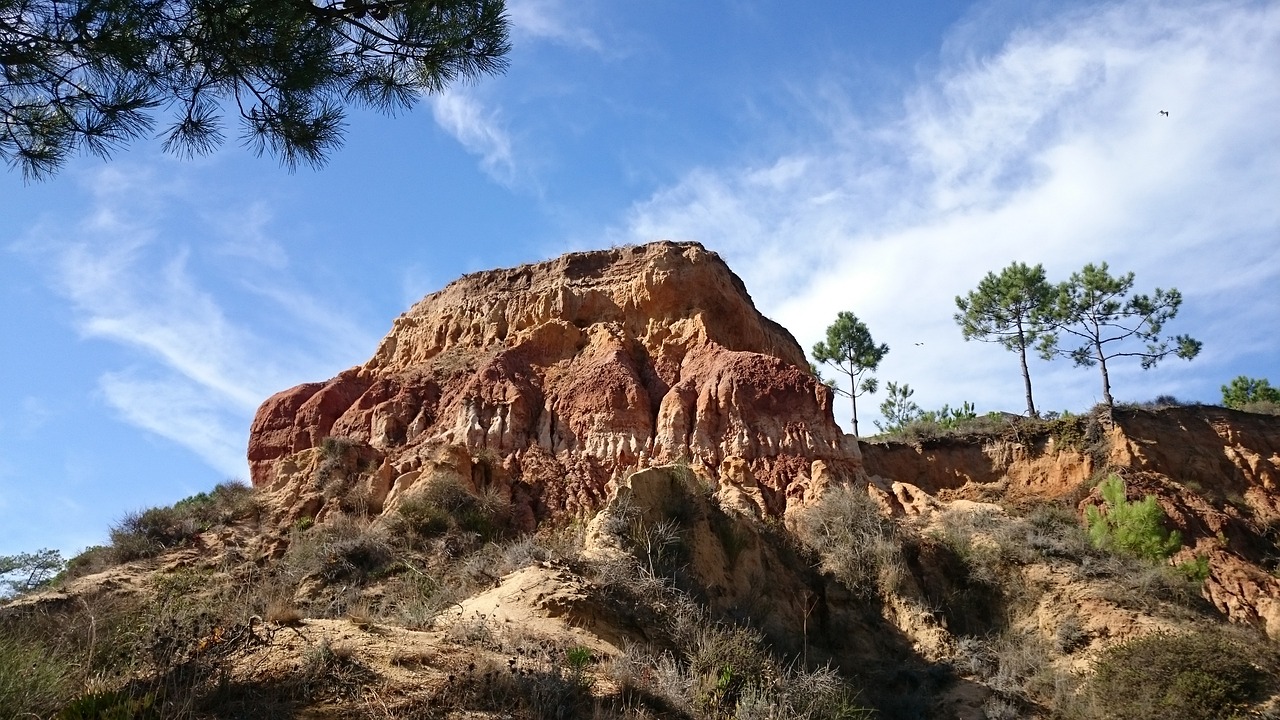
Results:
1026 374
854 400
1106 379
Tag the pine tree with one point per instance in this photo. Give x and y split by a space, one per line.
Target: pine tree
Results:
1092 307
1245 390
850 349
87 75
1012 309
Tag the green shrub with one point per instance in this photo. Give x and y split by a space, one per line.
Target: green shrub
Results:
1244 391
1135 527
1194 676
1196 570
1160 402
423 516
901 413
342 550
898 408
445 505
150 532
227 501
93 559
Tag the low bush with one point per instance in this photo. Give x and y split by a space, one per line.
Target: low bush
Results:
986 541
333 670
445 505
1053 530
1261 407
1202 675
540 683
93 559
1138 584
327 569
227 502
856 543
699 666
150 532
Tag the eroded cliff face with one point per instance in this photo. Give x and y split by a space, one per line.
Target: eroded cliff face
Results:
547 382
1214 471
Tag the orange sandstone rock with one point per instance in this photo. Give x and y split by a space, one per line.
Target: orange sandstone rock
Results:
565 375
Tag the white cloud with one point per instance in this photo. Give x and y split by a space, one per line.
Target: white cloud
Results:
246 236
483 131
1048 149
551 20
191 415
480 131
198 364
158 309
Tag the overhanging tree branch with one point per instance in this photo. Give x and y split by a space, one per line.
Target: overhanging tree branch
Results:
87 74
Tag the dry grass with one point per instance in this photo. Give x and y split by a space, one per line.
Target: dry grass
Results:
856 543
172 650
283 612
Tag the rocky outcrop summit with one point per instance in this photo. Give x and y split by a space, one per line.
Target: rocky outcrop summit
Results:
547 382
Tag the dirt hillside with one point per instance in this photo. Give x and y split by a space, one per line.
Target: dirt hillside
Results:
606 486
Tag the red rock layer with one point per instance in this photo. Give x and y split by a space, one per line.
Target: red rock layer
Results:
564 375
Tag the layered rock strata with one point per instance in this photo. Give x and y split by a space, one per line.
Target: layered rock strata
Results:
547 382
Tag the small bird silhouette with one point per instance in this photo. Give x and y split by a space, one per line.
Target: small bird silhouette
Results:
919 343
1164 113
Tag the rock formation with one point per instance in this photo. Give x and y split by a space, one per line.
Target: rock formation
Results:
547 382
1214 471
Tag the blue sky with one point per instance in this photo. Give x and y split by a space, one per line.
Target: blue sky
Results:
872 157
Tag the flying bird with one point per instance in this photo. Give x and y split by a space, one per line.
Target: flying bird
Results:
1164 113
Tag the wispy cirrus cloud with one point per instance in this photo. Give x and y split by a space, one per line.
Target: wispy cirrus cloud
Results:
551 20
197 362
153 304
479 130
1049 148
478 124
187 413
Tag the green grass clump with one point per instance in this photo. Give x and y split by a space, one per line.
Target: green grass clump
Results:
33 679
445 505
